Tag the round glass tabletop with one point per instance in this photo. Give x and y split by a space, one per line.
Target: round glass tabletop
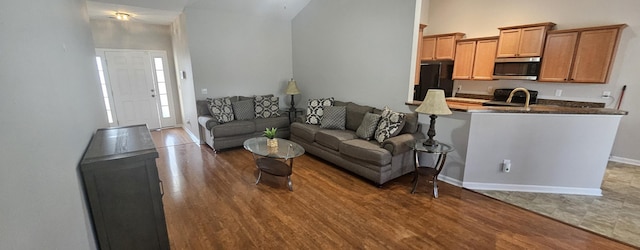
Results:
286 149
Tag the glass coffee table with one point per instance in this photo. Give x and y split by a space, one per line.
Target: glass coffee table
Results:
277 160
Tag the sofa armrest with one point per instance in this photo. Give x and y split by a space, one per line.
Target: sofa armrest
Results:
207 121
401 143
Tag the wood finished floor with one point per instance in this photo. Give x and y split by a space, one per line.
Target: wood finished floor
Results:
211 202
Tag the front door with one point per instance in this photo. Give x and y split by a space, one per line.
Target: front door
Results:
134 92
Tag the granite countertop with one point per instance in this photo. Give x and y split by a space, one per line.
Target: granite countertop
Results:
476 107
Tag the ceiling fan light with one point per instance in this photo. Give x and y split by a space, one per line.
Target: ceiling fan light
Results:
122 16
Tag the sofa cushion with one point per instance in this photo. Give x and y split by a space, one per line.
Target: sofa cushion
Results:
274 122
355 114
367 128
333 138
368 151
267 106
390 124
233 128
315 109
305 131
334 117
410 123
221 109
244 110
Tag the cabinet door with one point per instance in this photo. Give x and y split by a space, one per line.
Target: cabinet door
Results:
531 41
558 56
508 43
594 54
445 47
463 63
428 48
484 60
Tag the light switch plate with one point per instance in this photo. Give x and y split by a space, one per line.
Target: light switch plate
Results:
204 91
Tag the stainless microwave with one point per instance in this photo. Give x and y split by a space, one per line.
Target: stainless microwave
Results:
525 68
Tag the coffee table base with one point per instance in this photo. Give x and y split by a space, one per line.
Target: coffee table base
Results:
275 167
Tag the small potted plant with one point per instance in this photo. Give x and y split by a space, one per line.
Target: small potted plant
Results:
270 133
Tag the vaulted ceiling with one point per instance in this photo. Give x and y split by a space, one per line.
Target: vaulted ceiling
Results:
166 11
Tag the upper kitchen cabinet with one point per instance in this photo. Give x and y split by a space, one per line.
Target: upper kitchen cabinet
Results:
475 59
419 53
440 47
522 40
580 55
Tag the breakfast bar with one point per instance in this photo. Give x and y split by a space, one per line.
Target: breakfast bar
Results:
550 149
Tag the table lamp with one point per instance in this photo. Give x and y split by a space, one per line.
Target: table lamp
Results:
434 104
292 89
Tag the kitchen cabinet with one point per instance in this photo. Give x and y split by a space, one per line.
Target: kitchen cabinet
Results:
440 47
475 59
123 189
580 55
523 40
419 53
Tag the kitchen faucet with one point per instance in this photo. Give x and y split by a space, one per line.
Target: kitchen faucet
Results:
526 92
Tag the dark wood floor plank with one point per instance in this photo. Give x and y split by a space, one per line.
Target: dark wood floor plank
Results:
211 201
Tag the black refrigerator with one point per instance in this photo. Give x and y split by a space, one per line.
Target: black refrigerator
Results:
434 75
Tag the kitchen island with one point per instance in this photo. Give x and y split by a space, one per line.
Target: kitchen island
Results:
551 149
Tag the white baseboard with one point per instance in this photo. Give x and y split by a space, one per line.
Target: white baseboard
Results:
194 138
625 160
532 188
450 180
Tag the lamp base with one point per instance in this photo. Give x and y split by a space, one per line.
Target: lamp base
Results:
430 143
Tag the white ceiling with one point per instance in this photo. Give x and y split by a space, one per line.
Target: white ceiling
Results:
166 11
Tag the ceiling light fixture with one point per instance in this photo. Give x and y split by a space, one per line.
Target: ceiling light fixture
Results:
122 16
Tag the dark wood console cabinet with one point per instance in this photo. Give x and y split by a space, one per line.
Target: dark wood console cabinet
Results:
123 189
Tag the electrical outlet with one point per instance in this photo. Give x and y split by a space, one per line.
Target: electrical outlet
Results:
606 94
506 165
490 89
204 91
558 92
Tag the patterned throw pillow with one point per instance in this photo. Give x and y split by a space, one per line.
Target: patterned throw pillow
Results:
335 117
368 126
221 109
244 110
390 124
315 109
267 106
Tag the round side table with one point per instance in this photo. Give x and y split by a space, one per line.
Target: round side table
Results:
441 150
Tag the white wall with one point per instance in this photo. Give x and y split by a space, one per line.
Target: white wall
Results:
482 18
356 51
113 34
238 52
186 90
51 105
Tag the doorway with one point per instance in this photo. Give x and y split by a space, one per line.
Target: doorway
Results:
136 87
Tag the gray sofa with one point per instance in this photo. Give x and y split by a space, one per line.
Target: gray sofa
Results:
234 133
377 162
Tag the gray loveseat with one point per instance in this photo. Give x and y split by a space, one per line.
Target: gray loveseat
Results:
378 162
232 134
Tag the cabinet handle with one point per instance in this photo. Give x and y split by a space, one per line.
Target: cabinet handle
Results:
161 189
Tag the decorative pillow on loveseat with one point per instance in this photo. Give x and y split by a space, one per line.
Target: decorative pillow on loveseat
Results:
221 109
335 117
315 109
368 126
267 106
390 124
244 110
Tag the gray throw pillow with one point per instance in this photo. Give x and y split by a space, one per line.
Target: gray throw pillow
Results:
368 126
221 109
244 110
390 124
267 106
334 117
315 109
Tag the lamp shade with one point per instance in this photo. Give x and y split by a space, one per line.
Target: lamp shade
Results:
292 88
434 103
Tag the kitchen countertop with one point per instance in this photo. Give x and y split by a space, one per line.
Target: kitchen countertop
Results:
473 106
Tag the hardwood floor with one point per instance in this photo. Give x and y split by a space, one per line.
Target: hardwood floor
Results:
211 202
